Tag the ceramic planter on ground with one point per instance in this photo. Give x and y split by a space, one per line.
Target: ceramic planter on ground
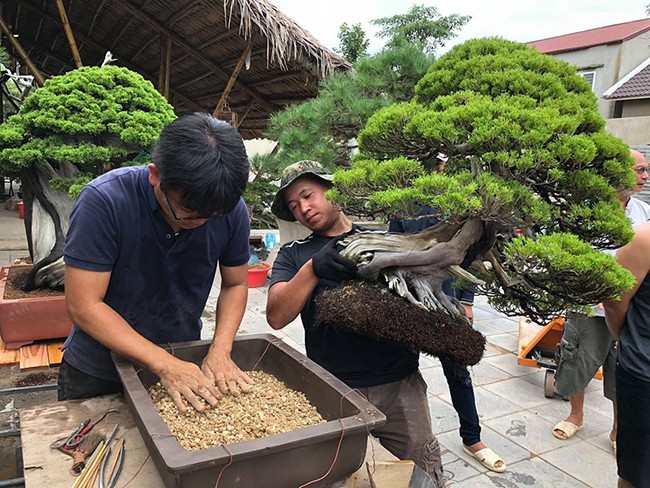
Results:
25 320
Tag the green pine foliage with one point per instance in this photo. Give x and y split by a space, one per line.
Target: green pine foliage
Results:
569 273
92 117
528 152
324 128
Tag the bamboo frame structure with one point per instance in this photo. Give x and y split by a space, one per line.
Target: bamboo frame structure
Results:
38 77
231 81
68 33
212 43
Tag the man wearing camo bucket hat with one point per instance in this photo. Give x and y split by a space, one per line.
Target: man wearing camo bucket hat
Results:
384 372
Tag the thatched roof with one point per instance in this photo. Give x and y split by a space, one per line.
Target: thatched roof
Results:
207 38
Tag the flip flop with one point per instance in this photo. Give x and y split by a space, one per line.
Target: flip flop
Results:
568 428
488 458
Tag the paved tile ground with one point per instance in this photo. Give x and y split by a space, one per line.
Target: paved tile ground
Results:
515 415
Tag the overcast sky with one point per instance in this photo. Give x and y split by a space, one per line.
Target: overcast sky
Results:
518 20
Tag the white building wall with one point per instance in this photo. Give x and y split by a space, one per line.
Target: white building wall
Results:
610 63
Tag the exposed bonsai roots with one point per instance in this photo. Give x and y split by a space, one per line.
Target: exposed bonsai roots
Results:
374 311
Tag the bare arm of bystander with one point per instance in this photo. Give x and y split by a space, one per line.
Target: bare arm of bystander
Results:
635 257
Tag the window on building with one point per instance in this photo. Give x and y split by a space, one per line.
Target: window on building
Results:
590 76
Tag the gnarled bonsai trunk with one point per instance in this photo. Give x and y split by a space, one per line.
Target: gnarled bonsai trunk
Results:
416 265
47 212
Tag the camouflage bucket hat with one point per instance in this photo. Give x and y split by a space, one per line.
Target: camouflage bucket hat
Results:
289 175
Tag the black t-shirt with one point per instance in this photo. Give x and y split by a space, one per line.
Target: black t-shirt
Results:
357 360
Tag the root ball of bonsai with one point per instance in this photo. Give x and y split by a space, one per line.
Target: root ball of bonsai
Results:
374 311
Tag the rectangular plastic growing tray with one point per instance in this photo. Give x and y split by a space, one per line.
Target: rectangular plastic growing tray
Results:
279 461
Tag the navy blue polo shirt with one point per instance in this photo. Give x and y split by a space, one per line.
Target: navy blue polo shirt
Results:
160 281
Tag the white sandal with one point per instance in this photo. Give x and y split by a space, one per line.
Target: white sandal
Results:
488 458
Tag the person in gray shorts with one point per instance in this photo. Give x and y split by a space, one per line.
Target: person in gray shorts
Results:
587 343
585 346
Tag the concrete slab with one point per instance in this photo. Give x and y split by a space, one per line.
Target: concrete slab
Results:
538 473
596 467
12 231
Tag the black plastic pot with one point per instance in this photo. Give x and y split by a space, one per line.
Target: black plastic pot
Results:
282 460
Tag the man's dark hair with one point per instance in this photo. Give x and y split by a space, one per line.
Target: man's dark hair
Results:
204 160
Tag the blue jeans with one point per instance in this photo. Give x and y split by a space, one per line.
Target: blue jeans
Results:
460 382
462 397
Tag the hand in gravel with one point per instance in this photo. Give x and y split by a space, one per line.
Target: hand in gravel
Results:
219 367
183 379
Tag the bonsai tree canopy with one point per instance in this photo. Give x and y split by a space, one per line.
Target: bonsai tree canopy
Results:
77 126
528 196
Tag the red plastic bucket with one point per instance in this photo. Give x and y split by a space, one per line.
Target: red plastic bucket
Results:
257 277
21 210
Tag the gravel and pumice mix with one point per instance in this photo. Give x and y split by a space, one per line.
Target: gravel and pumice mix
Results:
270 408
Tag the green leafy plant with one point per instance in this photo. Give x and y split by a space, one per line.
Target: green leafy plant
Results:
353 43
325 128
423 25
77 126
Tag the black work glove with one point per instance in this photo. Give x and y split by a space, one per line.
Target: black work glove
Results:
329 265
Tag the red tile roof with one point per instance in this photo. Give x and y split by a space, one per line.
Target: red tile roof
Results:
610 34
636 84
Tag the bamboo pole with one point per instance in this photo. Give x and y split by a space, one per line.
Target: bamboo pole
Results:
231 81
161 69
68 33
165 72
246 112
168 69
38 77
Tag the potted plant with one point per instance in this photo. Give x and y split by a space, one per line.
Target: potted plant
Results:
24 320
77 126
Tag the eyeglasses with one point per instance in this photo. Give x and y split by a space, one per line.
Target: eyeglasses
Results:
641 169
175 214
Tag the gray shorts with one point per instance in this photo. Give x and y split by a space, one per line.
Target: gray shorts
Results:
585 346
407 432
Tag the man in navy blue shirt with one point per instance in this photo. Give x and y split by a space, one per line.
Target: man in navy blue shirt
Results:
141 254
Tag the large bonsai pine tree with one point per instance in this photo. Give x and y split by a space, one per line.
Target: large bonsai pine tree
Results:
76 126
529 191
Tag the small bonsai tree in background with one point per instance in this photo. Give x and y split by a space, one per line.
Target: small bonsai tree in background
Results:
260 191
77 126
529 191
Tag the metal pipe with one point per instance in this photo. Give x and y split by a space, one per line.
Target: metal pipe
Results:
28 389
13 483
10 433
